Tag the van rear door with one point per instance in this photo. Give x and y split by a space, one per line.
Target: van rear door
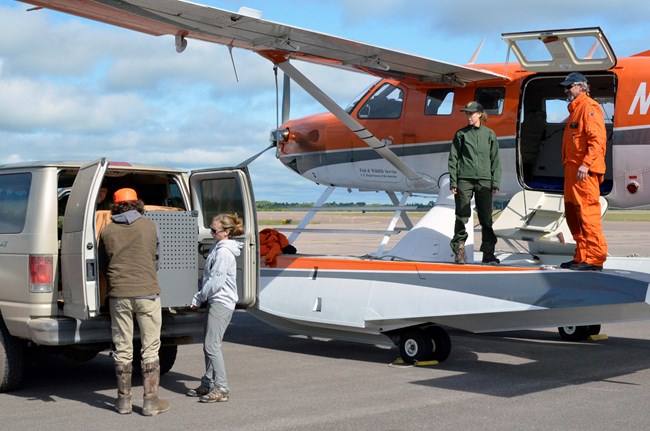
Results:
229 190
79 270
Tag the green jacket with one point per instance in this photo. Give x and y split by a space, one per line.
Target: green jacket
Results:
474 155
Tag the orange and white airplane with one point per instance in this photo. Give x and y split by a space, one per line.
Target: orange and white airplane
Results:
395 138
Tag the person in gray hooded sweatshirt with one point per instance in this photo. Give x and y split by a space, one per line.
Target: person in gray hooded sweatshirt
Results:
219 290
129 252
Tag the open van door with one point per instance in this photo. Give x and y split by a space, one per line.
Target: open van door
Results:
575 50
214 192
79 271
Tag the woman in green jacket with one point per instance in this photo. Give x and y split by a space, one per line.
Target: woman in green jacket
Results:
475 171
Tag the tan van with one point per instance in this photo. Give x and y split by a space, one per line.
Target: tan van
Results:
52 297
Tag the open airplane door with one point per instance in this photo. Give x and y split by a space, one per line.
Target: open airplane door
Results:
584 49
220 191
79 270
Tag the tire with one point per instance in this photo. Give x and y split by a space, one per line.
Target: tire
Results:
415 345
441 343
575 333
12 360
594 329
167 355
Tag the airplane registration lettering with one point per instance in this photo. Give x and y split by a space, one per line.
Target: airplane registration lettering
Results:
642 99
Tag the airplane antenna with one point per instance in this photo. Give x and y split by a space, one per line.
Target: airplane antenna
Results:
232 59
478 49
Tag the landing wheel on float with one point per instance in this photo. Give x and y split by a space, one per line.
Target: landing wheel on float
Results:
429 344
415 346
578 333
441 343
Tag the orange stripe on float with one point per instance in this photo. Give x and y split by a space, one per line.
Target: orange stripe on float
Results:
325 263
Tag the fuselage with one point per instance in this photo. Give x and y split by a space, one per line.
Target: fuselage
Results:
527 112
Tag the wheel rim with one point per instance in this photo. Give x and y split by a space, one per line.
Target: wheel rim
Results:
570 330
411 347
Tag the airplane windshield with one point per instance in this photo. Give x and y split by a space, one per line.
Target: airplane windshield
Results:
357 98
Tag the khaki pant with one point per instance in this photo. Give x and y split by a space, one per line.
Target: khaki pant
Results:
148 314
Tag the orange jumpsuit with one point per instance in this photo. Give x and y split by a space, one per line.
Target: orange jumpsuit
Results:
584 144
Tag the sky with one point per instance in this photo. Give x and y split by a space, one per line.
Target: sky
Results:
73 89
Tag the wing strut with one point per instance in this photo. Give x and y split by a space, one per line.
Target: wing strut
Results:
413 178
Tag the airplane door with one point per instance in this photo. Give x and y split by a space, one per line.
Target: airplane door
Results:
78 244
566 51
214 192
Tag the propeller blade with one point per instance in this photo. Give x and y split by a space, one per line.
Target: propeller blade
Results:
250 159
286 98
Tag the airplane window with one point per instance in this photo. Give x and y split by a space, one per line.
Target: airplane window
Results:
386 102
357 98
587 48
491 98
534 50
439 101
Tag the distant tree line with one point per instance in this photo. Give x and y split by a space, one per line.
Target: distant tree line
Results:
280 206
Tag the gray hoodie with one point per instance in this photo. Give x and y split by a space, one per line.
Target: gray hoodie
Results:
219 275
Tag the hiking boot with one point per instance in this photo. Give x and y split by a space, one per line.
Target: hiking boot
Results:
490 259
567 265
215 396
198 392
459 256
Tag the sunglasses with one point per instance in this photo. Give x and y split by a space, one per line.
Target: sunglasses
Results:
213 230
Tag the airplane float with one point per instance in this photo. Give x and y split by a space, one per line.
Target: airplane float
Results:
395 138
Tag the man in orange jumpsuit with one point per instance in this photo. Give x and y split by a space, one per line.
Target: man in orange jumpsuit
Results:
583 157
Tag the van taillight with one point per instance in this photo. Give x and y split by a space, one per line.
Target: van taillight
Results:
41 274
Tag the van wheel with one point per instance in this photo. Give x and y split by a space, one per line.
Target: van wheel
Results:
12 360
167 355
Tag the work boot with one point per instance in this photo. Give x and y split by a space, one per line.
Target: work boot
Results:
459 256
569 264
150 380
490 259
123 373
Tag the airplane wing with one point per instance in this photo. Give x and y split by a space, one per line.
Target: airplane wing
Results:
277 42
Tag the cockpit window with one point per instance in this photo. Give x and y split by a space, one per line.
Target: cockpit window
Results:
439 101
386 102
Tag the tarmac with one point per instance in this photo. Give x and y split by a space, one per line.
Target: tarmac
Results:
524 380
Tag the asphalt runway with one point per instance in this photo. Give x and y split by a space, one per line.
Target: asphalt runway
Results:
524 380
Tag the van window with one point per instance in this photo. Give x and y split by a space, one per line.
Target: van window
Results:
439 101
220 195
14 195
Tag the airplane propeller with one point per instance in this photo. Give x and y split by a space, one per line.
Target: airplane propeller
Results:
286 110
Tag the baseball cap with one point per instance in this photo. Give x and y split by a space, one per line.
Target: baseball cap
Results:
125 195
572 78
473 107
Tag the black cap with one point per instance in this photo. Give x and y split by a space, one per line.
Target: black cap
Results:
572 78
473 107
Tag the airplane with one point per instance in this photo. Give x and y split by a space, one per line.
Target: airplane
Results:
395 138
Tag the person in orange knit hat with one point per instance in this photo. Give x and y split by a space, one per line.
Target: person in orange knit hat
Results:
583 157
130 250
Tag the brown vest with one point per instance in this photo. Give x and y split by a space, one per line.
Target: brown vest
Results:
131 258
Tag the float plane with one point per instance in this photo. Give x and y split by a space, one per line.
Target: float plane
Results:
395 138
